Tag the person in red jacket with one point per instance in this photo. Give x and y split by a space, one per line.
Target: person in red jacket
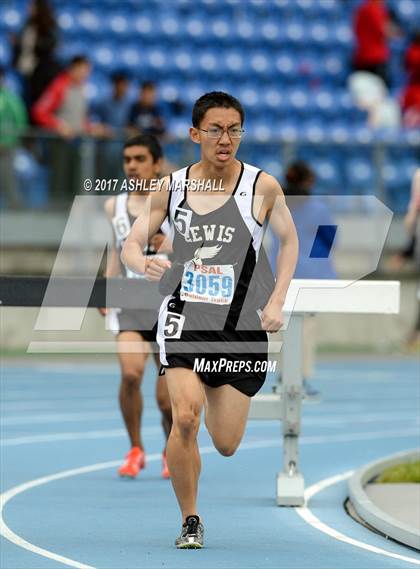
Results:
63 109
410 102
372 26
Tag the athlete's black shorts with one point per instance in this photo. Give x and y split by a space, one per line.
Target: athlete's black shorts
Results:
211 346
142 321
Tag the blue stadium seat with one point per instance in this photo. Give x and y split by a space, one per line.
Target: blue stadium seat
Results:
208 63
88 22
334 69
195 28
5 52
170 91
144 27
262 131
260 65
67 50
11 18
298 99
285 65
235 63
120 24
168 27
271 32
157 61
313 131
274 101
132 58
295 32
250 97
184 62
32 179
103 56
327 174
360 176
67 21
318 33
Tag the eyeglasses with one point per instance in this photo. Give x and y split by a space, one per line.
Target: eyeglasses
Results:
217 132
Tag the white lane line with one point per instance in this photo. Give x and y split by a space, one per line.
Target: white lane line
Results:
306 514
116 433
5 497
58 417
24 419
74 436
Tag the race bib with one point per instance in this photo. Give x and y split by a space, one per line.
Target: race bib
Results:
122 226
213 284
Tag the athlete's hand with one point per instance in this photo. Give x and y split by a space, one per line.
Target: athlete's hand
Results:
155 268
272 317
103 311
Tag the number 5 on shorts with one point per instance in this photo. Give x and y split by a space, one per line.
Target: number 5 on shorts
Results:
173 325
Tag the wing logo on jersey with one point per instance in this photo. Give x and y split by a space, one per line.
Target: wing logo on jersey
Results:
205 253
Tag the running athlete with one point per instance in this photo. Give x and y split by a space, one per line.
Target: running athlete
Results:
142 161
215 310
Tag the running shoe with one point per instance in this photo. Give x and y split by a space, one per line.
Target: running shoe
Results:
192 534
165 469
135 461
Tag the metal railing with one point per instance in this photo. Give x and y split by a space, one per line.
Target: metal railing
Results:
42 170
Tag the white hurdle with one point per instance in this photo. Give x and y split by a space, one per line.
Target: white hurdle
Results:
312 297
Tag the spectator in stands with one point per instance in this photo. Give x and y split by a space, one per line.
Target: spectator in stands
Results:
62 108
309 213
411 96
13 121
145 116
113 113
372 28
34 50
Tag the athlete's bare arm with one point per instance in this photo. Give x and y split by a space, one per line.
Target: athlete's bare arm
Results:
272 206
145 226
113 266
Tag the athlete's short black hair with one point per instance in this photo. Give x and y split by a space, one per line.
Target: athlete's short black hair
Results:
148 140
215 99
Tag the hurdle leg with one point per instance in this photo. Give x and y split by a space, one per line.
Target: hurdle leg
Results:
290 483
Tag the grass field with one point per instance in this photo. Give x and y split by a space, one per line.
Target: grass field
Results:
409 472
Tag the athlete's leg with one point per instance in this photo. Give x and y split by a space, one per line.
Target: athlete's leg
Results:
132 366
187 399
226 415
163 399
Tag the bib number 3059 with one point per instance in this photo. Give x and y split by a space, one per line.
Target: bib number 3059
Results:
213 284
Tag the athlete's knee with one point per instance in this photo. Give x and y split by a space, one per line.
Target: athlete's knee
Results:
226 446
186 422
227 449
131 378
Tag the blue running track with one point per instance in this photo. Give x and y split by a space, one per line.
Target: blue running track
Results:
62 440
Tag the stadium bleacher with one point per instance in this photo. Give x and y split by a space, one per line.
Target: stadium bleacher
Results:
287 61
